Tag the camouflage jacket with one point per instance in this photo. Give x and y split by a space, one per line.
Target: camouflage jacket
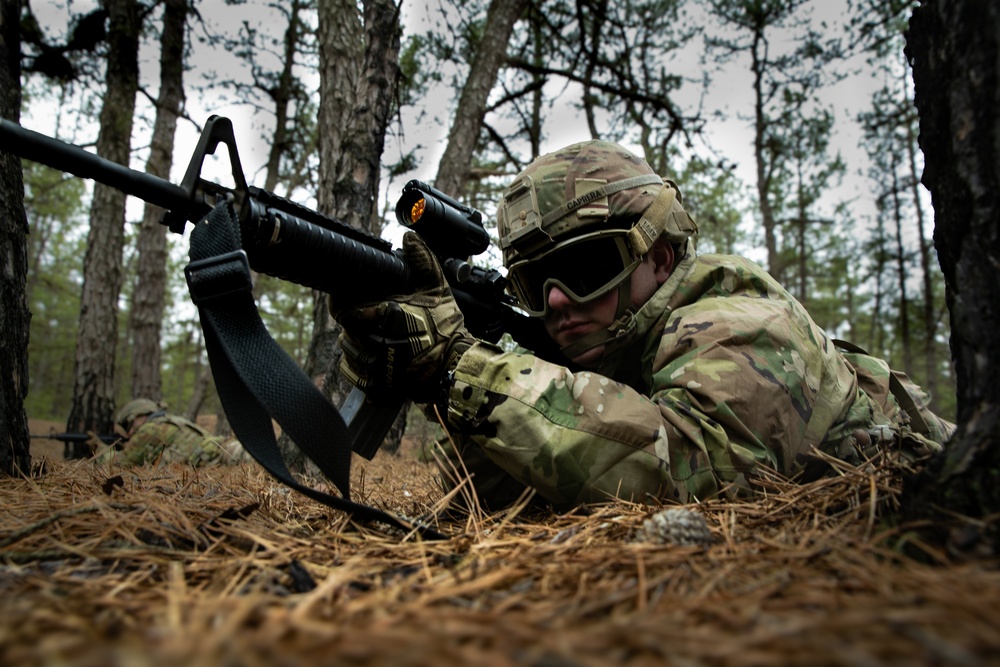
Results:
728 372
179 440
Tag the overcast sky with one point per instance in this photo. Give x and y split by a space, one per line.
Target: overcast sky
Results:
729 131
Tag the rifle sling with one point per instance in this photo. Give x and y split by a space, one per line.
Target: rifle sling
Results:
258 381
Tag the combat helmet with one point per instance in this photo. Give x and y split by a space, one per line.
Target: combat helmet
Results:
582 218
138 407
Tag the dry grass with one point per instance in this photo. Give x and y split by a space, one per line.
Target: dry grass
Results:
220 566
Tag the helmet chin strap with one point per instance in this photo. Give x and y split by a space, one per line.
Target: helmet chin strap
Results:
613 338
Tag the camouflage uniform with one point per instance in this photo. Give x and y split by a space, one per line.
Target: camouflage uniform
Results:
179 441
722 369
728 372
169 438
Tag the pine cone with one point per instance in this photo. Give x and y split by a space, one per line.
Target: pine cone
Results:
678 526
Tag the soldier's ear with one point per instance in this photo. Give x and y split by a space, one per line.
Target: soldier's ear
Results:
662 255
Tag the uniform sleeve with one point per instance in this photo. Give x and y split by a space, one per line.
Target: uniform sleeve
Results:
581 437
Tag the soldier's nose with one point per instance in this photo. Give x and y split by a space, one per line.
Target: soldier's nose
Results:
558 299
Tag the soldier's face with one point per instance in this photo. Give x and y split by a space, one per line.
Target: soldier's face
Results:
567 321
136 423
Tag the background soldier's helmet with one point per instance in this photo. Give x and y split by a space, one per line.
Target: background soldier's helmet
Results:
586 191
138 407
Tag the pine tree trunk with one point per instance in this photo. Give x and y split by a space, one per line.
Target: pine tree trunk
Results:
901 273
281 94
763 163
146 312
199 393
14 315
954 48
93 389
464 133
358 80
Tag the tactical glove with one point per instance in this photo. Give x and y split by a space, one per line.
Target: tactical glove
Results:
406 345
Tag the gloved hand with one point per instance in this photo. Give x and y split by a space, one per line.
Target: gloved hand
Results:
405 346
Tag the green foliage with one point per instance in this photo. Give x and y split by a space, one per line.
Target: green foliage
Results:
412 72
717 200
802 176
183 358
286 309
56 210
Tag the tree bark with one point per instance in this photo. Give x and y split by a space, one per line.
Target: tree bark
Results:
358 81
94 372
14 315
464 133
954 49
149 295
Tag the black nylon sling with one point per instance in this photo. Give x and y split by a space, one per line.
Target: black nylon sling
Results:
258 381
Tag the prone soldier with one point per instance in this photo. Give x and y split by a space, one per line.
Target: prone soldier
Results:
152 434
679 376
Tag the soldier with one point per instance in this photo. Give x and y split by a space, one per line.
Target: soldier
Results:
682 375
152 434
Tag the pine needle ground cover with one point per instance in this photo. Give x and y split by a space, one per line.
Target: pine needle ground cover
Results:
168 565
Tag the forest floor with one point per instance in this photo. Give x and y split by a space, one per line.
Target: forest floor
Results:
167 565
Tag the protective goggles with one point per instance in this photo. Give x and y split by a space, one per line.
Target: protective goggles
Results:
584 268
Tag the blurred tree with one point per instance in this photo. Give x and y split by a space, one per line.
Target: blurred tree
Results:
890 128
94 367
607 59
278 54
778 77
358 83
618 56
14 316
63 62
490 53
149 294
56 206
716 198
803 172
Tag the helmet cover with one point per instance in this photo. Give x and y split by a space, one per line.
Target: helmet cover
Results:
576 190
138 407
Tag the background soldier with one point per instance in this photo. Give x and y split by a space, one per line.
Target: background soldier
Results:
152 434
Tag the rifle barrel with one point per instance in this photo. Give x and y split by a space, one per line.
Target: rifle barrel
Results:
61 156
77 437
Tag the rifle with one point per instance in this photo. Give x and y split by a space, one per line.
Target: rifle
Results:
69 439
281 238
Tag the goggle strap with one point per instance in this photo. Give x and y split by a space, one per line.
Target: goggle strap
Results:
653 221
598 193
